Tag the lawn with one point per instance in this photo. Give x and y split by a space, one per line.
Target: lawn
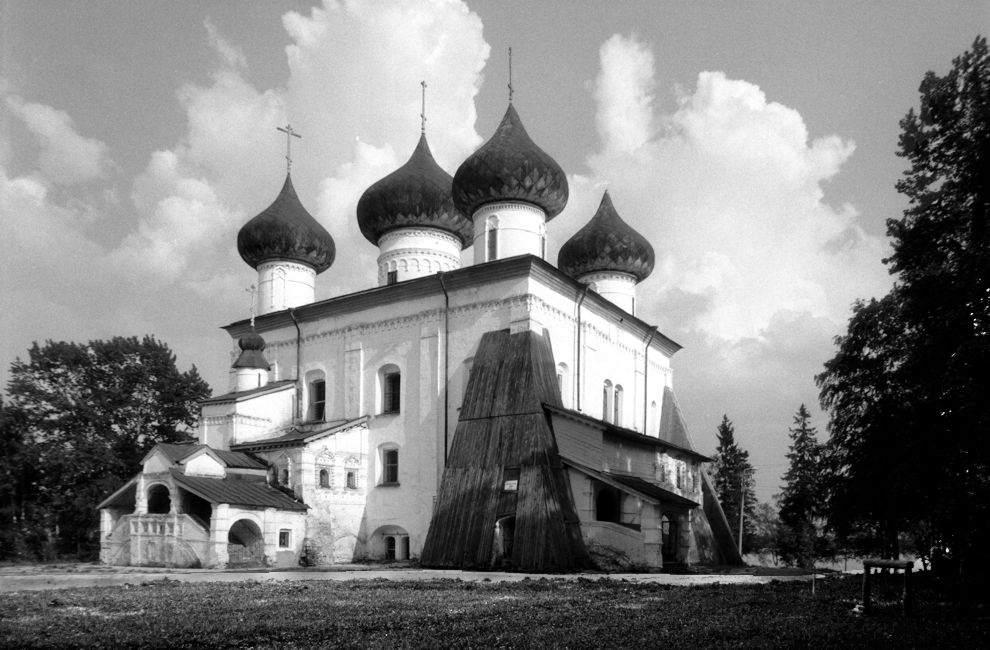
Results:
449 613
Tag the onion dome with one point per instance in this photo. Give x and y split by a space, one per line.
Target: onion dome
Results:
286 231
414 195
252 352
510 167
607 243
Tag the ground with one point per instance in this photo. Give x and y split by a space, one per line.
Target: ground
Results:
444 612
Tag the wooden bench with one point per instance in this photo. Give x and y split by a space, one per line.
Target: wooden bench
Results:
904 566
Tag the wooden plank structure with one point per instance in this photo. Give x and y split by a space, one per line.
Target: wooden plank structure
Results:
504 499
904 566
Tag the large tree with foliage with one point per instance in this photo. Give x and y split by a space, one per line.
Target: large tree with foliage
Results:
78 421
907 389
734 479
801 497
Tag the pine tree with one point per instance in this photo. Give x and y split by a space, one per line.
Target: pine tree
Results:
801 496
734 479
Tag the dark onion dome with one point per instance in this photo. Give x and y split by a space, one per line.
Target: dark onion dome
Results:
286 231
252 352
510 167
414 195
606 243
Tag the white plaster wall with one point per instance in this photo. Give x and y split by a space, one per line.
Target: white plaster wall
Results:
283 284
521 230
416 252
204 465
619 288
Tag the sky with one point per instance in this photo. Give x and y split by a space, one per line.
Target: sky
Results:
754 144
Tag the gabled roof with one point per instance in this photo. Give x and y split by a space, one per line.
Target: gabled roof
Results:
178 453
240 396
237 492
614 431
297 438
122 498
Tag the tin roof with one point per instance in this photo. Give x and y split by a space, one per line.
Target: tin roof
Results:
237 492
607 243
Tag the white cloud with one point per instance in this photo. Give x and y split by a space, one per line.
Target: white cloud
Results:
66 157
624 95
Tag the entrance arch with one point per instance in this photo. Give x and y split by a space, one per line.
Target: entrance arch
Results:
389 543
159 500
245 544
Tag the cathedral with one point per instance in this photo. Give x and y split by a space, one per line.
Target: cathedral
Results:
512 413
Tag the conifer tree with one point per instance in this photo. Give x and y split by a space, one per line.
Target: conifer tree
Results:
801 496
734 479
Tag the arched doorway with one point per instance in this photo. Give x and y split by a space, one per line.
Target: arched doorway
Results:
159 500
389 543
608 504
668 536
505 535
245 545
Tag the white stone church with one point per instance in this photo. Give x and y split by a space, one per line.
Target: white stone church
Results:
511 413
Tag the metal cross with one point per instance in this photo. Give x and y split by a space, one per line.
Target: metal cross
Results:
252 290
289 134
422 124
510 75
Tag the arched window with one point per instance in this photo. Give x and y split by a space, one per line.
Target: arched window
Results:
324 478
564 382
607 401
651 429
390 387
390 466
543 241
316 395
617 406
351 478
491 239
283 477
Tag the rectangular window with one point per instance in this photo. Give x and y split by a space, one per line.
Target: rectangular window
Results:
390 392
680 475
284 538
492 243
393 277
317 400
390 467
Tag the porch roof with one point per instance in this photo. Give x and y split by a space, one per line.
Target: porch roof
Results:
237 492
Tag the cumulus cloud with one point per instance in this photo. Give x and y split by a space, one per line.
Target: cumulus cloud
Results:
756 270
65 157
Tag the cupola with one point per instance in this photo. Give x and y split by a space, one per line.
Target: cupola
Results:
510 188
609 255
250 370
288 248
411 217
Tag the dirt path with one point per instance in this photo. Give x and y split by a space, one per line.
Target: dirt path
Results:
109 577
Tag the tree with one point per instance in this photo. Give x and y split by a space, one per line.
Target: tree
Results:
766 531
801 495
80 418
734 479
919 359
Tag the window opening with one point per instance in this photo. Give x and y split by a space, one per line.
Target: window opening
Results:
393 277
391 384
390 467
317 400
492 239
617 410
351 480
607 401
284 537
159 500
607 504
324 478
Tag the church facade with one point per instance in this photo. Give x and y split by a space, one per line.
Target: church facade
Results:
507 414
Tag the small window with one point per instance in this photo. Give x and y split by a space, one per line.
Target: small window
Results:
390 467
680 475
491 239
391 386
607 401
351 479
317 400
284 538
283 477
617 406
510 479
324 478
393 277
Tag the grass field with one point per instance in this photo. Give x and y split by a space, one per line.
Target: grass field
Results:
448 613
